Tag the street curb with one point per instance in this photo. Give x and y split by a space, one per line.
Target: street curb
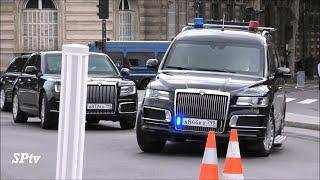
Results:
303 125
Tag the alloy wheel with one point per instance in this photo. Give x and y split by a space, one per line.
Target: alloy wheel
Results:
269 137
42 113
15 106
2 98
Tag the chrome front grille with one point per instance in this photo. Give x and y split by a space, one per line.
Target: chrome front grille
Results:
103 94
202 104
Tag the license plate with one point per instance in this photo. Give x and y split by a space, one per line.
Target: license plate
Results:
99 106
199 122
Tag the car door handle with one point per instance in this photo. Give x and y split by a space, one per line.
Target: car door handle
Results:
280 88
29 80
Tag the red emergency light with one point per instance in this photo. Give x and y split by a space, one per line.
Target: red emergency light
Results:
253 25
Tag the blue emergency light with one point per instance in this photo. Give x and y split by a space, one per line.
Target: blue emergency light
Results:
198 22
178 121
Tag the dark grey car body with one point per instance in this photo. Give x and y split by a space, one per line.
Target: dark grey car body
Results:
31 88
9 77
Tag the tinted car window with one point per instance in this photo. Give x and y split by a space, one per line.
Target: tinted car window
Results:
97 65
34 61
209 56
139 58
17 65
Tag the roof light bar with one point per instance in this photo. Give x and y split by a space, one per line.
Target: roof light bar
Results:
253 25
198 22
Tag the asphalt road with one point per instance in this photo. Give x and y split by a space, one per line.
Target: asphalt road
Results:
112 153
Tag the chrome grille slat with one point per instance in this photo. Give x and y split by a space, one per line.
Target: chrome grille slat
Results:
210 106
101 94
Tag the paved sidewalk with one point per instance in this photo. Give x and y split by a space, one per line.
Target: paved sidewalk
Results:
309 84
295 119
302 121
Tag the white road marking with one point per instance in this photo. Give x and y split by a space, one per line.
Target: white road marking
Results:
290 99
308 101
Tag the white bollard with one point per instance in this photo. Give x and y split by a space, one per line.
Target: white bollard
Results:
72 112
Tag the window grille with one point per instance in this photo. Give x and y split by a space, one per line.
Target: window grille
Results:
40 27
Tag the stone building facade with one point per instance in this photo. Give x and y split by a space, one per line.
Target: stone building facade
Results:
36 25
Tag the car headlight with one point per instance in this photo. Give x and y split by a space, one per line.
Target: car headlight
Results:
57 87
150 93
127 90
252 101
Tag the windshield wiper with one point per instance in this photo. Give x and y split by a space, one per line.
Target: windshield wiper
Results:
215 70
179 68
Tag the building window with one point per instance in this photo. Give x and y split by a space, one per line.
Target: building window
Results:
40 26
126 28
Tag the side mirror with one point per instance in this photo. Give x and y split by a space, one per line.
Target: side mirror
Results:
125 72
31 70
283 72
152 63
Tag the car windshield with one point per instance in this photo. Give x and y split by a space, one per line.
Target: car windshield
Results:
98 65
219 57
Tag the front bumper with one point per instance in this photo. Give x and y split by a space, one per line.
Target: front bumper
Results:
250 122
126 106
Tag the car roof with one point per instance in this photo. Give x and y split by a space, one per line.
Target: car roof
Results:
218 35
59 52
24 56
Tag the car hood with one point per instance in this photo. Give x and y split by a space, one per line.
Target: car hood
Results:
91 78
226 82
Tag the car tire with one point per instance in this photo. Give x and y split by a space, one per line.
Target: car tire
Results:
146 142
144 83
4 104
48 120
281 132
18 115
128 123
265 146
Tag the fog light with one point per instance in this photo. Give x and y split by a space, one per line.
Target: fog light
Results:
168 115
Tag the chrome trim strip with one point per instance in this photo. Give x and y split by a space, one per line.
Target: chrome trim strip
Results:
93 82
120 104
249 106
157 123
150 107
233 124
150 119
247 130
207 91
249 127
54 111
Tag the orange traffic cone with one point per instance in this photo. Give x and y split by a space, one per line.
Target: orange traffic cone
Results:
232 164
209 165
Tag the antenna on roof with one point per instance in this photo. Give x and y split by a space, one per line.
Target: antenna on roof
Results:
223 22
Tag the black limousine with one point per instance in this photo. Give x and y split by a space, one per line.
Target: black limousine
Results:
216 78
109 95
